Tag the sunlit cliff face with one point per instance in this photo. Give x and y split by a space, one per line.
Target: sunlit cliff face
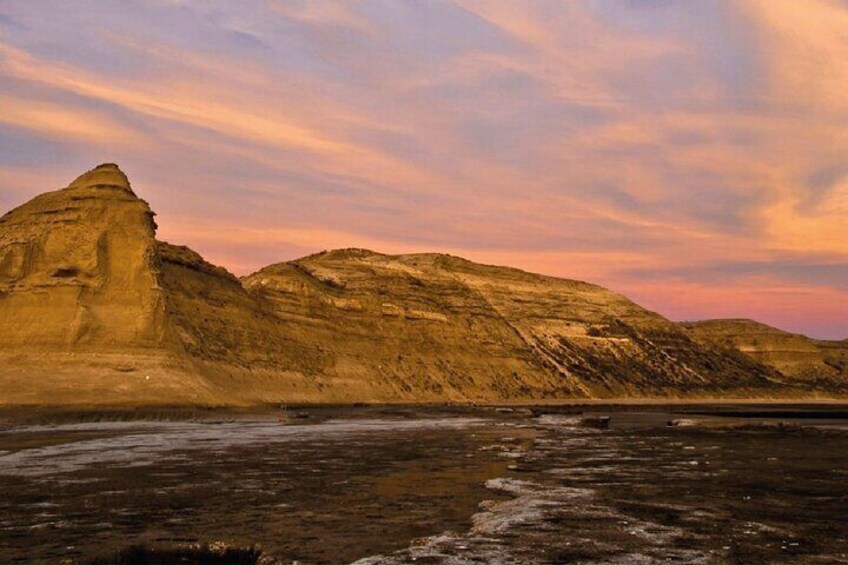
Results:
693 155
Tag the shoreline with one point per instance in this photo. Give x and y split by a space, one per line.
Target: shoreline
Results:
15 415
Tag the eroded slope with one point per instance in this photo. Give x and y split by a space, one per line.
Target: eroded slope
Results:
816 363
392 332
439 326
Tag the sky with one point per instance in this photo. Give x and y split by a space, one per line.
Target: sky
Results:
692 155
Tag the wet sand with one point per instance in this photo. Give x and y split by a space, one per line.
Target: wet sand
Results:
393 485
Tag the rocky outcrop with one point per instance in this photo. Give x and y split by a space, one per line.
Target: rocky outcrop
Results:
93 309
78 268
795 356
82 313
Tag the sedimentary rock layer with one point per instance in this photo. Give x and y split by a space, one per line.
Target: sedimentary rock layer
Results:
796 356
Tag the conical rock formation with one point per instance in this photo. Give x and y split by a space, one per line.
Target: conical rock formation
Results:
77 267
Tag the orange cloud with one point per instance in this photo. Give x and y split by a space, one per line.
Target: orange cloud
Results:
69 124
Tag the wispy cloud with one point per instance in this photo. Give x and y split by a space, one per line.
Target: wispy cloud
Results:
691 154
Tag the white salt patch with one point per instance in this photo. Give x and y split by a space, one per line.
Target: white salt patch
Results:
145 443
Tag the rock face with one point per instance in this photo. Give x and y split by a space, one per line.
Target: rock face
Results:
78 267
93 309
817 362
82 313
435 326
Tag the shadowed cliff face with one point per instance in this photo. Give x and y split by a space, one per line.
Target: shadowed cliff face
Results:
95 310
794 355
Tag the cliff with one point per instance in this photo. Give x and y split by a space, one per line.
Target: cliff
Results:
78 267
434 326
82 313
95 310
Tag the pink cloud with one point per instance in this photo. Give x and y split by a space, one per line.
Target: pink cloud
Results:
595 141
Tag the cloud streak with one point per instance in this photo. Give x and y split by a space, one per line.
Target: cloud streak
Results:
691 155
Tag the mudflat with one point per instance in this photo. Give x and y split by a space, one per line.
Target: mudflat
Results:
680 484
